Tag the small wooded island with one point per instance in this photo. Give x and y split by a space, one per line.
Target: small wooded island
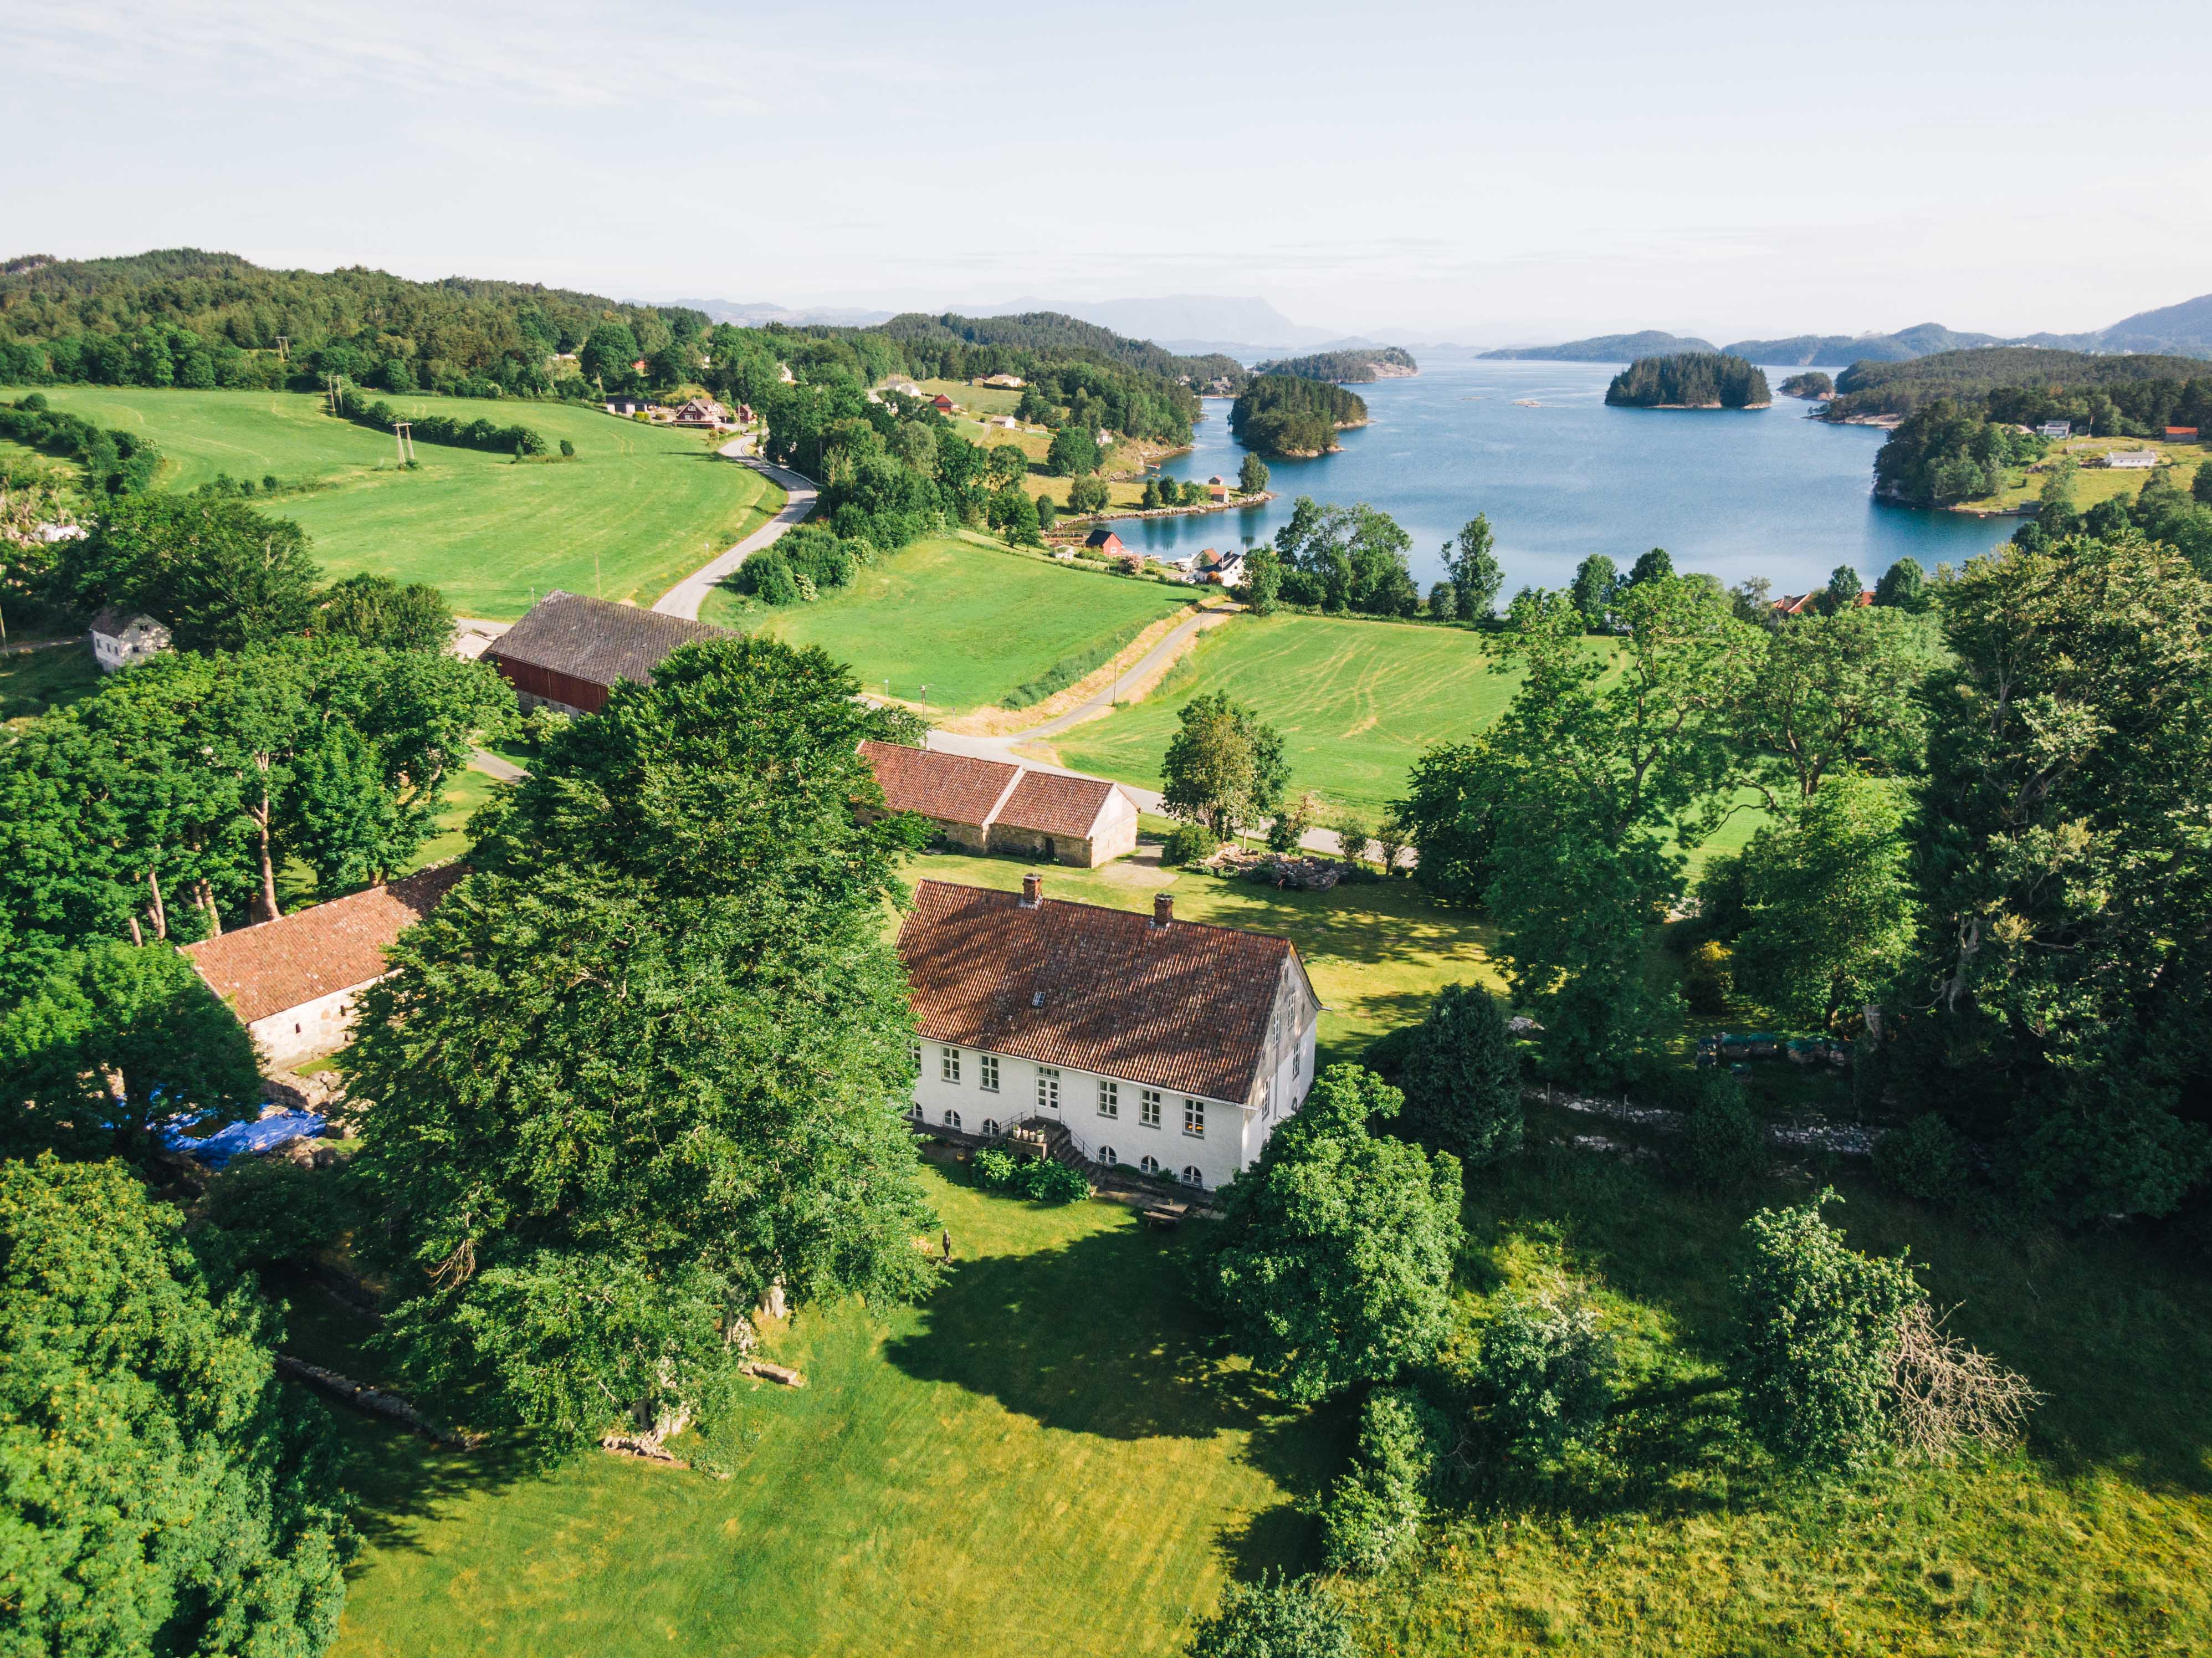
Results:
1814 384
1285 415
1690 380
1348 368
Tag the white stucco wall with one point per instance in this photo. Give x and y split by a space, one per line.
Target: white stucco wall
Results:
1220 1154
307 1031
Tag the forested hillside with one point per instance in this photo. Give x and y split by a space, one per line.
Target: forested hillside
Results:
1283 414
2117 394
1608 347
1352 367
1695 379
1043 336
1836 350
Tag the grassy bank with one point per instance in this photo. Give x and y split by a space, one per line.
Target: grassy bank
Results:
1356 702
1676 1538
970 622
1049 1455
637 509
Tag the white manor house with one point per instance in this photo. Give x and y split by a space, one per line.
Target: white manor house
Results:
1170 1045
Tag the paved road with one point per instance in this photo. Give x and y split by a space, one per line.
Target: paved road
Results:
685 599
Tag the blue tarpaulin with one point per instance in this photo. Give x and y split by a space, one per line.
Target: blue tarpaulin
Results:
242 1138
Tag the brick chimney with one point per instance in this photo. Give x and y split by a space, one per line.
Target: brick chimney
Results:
1032 889
1163 909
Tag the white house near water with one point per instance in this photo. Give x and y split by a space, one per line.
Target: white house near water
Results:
1172 1045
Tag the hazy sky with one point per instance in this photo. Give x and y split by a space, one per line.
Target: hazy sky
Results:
1476 171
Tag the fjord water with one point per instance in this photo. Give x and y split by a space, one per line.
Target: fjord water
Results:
1735 492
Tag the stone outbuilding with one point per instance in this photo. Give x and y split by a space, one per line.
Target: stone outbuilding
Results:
293 981
991 805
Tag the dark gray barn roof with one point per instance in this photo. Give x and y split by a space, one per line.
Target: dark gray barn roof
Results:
591 639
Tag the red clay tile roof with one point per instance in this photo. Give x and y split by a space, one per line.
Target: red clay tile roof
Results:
1184 1007
275 965
590 639
1052 804
955 789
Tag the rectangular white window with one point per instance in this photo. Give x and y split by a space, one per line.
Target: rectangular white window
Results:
1148 1107
986 1066
1194 1117
948 1063
1048 1088
1109 1098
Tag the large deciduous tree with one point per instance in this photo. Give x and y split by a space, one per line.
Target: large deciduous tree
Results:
1461 1077
1225 766
376 610
221 574
1333 1265
647 1060
1833 690
159 1494
1472 564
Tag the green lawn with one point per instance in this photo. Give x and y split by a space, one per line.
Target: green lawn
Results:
467 790
32 683
970 622
638 508
1376 951
1674 1538
1356 702
1047 1456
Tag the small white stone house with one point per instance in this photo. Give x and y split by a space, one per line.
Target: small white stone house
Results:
293 981
120 638
1173 1046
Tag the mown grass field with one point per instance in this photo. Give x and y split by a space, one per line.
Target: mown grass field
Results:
1356 702
1676 1538
2092 484
969 622
1049 1455
637 509
1377 951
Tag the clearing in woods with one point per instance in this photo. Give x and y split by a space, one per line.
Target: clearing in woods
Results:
638 508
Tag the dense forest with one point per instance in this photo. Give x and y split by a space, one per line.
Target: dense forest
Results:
1354 367
1041 337
2116 395
1695 379
1838 351
1283 414
1946 453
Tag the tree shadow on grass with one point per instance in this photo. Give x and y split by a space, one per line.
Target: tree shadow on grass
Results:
404 1485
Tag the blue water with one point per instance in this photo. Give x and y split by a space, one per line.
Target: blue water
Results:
1738 493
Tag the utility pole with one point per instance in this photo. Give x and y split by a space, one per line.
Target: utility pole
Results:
283 348
402 433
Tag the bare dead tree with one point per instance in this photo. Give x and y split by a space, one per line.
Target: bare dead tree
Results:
1946 1395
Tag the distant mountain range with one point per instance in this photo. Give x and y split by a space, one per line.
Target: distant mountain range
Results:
2184 331
1195 324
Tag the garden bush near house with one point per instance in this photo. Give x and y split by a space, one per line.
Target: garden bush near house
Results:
1377 1506
1189 843
1925 1159
1038 1179
1461 1077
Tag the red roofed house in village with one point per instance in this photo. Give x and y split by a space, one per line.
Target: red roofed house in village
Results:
293 981
1170 1045
568 651
993 805
1809 603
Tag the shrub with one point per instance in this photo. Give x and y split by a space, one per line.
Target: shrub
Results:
568 450
1546 1370
1724 1143
1705 978
995 1168
1045 1181
269 1209
768 576
1820 1324
1925 1159
1293 1619
1376 1508
543 724
1461 1077
2135 1158
1189 843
